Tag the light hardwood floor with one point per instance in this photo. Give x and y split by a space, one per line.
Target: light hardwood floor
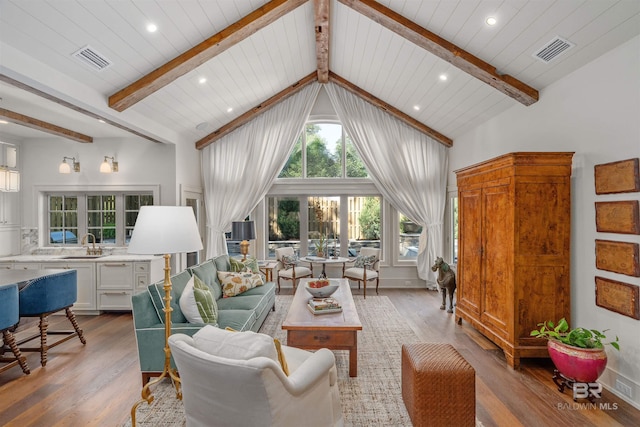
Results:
96 384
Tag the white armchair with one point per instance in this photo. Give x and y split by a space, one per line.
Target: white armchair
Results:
365 268
288 270
225 391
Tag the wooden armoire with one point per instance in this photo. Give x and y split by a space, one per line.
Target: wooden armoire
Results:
514 225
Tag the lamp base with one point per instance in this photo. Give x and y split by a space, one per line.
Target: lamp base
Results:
244 249
167 370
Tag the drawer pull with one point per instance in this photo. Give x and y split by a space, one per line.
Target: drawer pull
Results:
114 293
115 265
321 338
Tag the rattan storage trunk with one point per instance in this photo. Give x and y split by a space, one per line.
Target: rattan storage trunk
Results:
438 386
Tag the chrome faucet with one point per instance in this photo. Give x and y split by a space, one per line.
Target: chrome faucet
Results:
93 250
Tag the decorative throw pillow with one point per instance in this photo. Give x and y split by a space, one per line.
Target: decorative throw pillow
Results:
234 345
290 259
197 302
250 265
363 260
237 283
281 358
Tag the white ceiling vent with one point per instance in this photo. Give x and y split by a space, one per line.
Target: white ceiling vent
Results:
89 56
553 49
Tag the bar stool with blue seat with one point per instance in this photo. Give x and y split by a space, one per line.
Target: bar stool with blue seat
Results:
8 319
46 295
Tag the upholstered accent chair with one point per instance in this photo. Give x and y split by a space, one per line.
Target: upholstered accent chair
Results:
44 296
8 319
229 384
289 269
365 268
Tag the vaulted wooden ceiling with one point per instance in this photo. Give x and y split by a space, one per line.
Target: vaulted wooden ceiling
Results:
255 53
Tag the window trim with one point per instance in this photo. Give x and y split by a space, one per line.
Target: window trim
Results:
41 193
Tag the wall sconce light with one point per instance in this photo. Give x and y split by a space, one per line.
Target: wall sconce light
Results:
66 167
107 167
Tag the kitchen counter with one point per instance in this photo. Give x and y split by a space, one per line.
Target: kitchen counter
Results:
78 258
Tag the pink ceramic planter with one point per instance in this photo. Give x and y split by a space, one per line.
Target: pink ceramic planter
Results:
580 364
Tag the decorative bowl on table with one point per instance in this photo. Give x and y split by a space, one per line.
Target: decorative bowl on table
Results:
321 288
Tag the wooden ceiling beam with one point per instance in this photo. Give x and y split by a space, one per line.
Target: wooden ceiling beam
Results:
321 11
440 47
391 110
201 53
30 122
249 115
69 105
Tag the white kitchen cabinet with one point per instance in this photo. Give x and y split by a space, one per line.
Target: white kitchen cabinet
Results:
86 272
118 281
9 201
103 285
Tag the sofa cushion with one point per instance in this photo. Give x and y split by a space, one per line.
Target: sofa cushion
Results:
198 304
222 262
239 320
235 345
236 283
156 292
266 289
206 271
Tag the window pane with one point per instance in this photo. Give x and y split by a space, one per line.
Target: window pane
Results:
409 236
355 167
324 150
93 203
324 225
63 220
132 202
364 223
284 223
293 168
454 222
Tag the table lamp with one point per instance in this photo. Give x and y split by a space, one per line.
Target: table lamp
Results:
245 231
164 230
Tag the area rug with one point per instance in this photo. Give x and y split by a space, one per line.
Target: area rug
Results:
373 398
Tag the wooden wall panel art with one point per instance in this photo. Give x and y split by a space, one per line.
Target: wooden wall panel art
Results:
619 257
617 296
618 217
618 177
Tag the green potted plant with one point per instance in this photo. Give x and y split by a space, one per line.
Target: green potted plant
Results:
578 353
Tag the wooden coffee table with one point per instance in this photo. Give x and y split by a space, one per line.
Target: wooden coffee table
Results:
335 331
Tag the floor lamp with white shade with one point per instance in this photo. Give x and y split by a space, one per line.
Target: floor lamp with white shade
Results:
164 230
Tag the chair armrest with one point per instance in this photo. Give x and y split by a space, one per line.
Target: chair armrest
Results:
314 369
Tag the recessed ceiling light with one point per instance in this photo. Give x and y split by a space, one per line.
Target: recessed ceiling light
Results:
152 28
202 80
3 122
443 77
229 110
101 121
416 107
491 21
202 126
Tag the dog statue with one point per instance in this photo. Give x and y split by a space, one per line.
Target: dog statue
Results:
447 282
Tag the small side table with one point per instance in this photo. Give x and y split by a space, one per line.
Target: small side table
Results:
267 268
324 262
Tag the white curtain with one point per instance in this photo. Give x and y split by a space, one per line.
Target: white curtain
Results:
408 168
239 168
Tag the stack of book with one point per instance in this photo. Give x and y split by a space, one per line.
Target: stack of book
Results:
324 305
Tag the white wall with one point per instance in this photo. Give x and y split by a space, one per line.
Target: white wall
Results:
140 162
594 112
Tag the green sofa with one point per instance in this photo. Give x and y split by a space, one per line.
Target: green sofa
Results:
246 311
